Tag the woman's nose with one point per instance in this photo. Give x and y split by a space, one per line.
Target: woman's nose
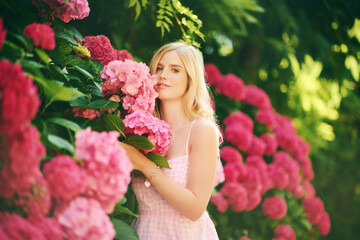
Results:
163 74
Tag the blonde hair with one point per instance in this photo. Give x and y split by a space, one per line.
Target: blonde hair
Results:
196 100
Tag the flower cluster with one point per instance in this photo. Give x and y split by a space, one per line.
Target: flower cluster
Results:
85 113
41 34
131 80
2 33
71 9
106 165
156 130
288 170
101 50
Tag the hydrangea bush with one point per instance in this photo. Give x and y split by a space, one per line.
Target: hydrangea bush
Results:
267 192
63 99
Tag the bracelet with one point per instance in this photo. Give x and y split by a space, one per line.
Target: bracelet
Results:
147 183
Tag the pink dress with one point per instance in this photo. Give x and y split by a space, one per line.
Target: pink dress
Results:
158 220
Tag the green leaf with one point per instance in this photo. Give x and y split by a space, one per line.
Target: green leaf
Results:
42 55
132 3
121 209
114 123
31 64
63 46
55 91
67 37
80 102
137 10
123 231
61 143
11 51
57 57
65 123
102 103
158 159
140 142
83 71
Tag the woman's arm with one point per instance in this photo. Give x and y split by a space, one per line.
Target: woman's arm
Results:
193 199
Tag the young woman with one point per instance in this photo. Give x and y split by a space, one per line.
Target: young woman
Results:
172 203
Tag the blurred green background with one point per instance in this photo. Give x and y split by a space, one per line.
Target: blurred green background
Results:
304 54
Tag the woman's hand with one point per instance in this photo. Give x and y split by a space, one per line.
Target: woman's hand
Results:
137 159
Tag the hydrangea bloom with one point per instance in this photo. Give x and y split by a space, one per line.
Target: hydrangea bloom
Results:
41 34
257 147
122 55
22 160
71 9
236 194
131 80
36 200
19 102
254 200
267 117
85 219
16 227
285 231
274 207
213 75
230 154
252 181
100 48
231 86
314 208
85 113
241 119
270 142
106 165
219 201
324 224
278 175
2 33
256 97
238 136
50 227
245 238
156 130
259 163
65 178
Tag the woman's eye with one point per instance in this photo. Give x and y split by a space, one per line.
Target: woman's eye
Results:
158 69
175 70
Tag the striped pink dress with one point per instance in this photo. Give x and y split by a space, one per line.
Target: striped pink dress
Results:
158 220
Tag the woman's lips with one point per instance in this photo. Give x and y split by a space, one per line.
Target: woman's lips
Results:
162 85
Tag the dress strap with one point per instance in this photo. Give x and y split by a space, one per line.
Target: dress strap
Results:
188 138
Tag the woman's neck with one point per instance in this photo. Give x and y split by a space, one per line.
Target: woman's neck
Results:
171 112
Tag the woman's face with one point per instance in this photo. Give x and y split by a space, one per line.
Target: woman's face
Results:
171 76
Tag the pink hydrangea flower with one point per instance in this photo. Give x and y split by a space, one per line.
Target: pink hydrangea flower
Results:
100 48
122 55
252 182
267 117
156 130
230 171
274 207
131 80
241 119
19 102
324 224
106 165
36 201
16 227
257 147
41 34
245 238
309 190
256 97
22 157
85 113
236 194
71 9
85 219
50 227
2 33
279 177
231 86
285 231
254 200
219 201
306 168
230 154
259 163
239 136
302 148
213 75
314 208
270 142
65 178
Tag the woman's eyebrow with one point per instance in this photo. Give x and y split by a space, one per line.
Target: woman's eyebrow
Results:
172 65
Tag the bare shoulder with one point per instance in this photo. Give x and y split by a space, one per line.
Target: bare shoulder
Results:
204 130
